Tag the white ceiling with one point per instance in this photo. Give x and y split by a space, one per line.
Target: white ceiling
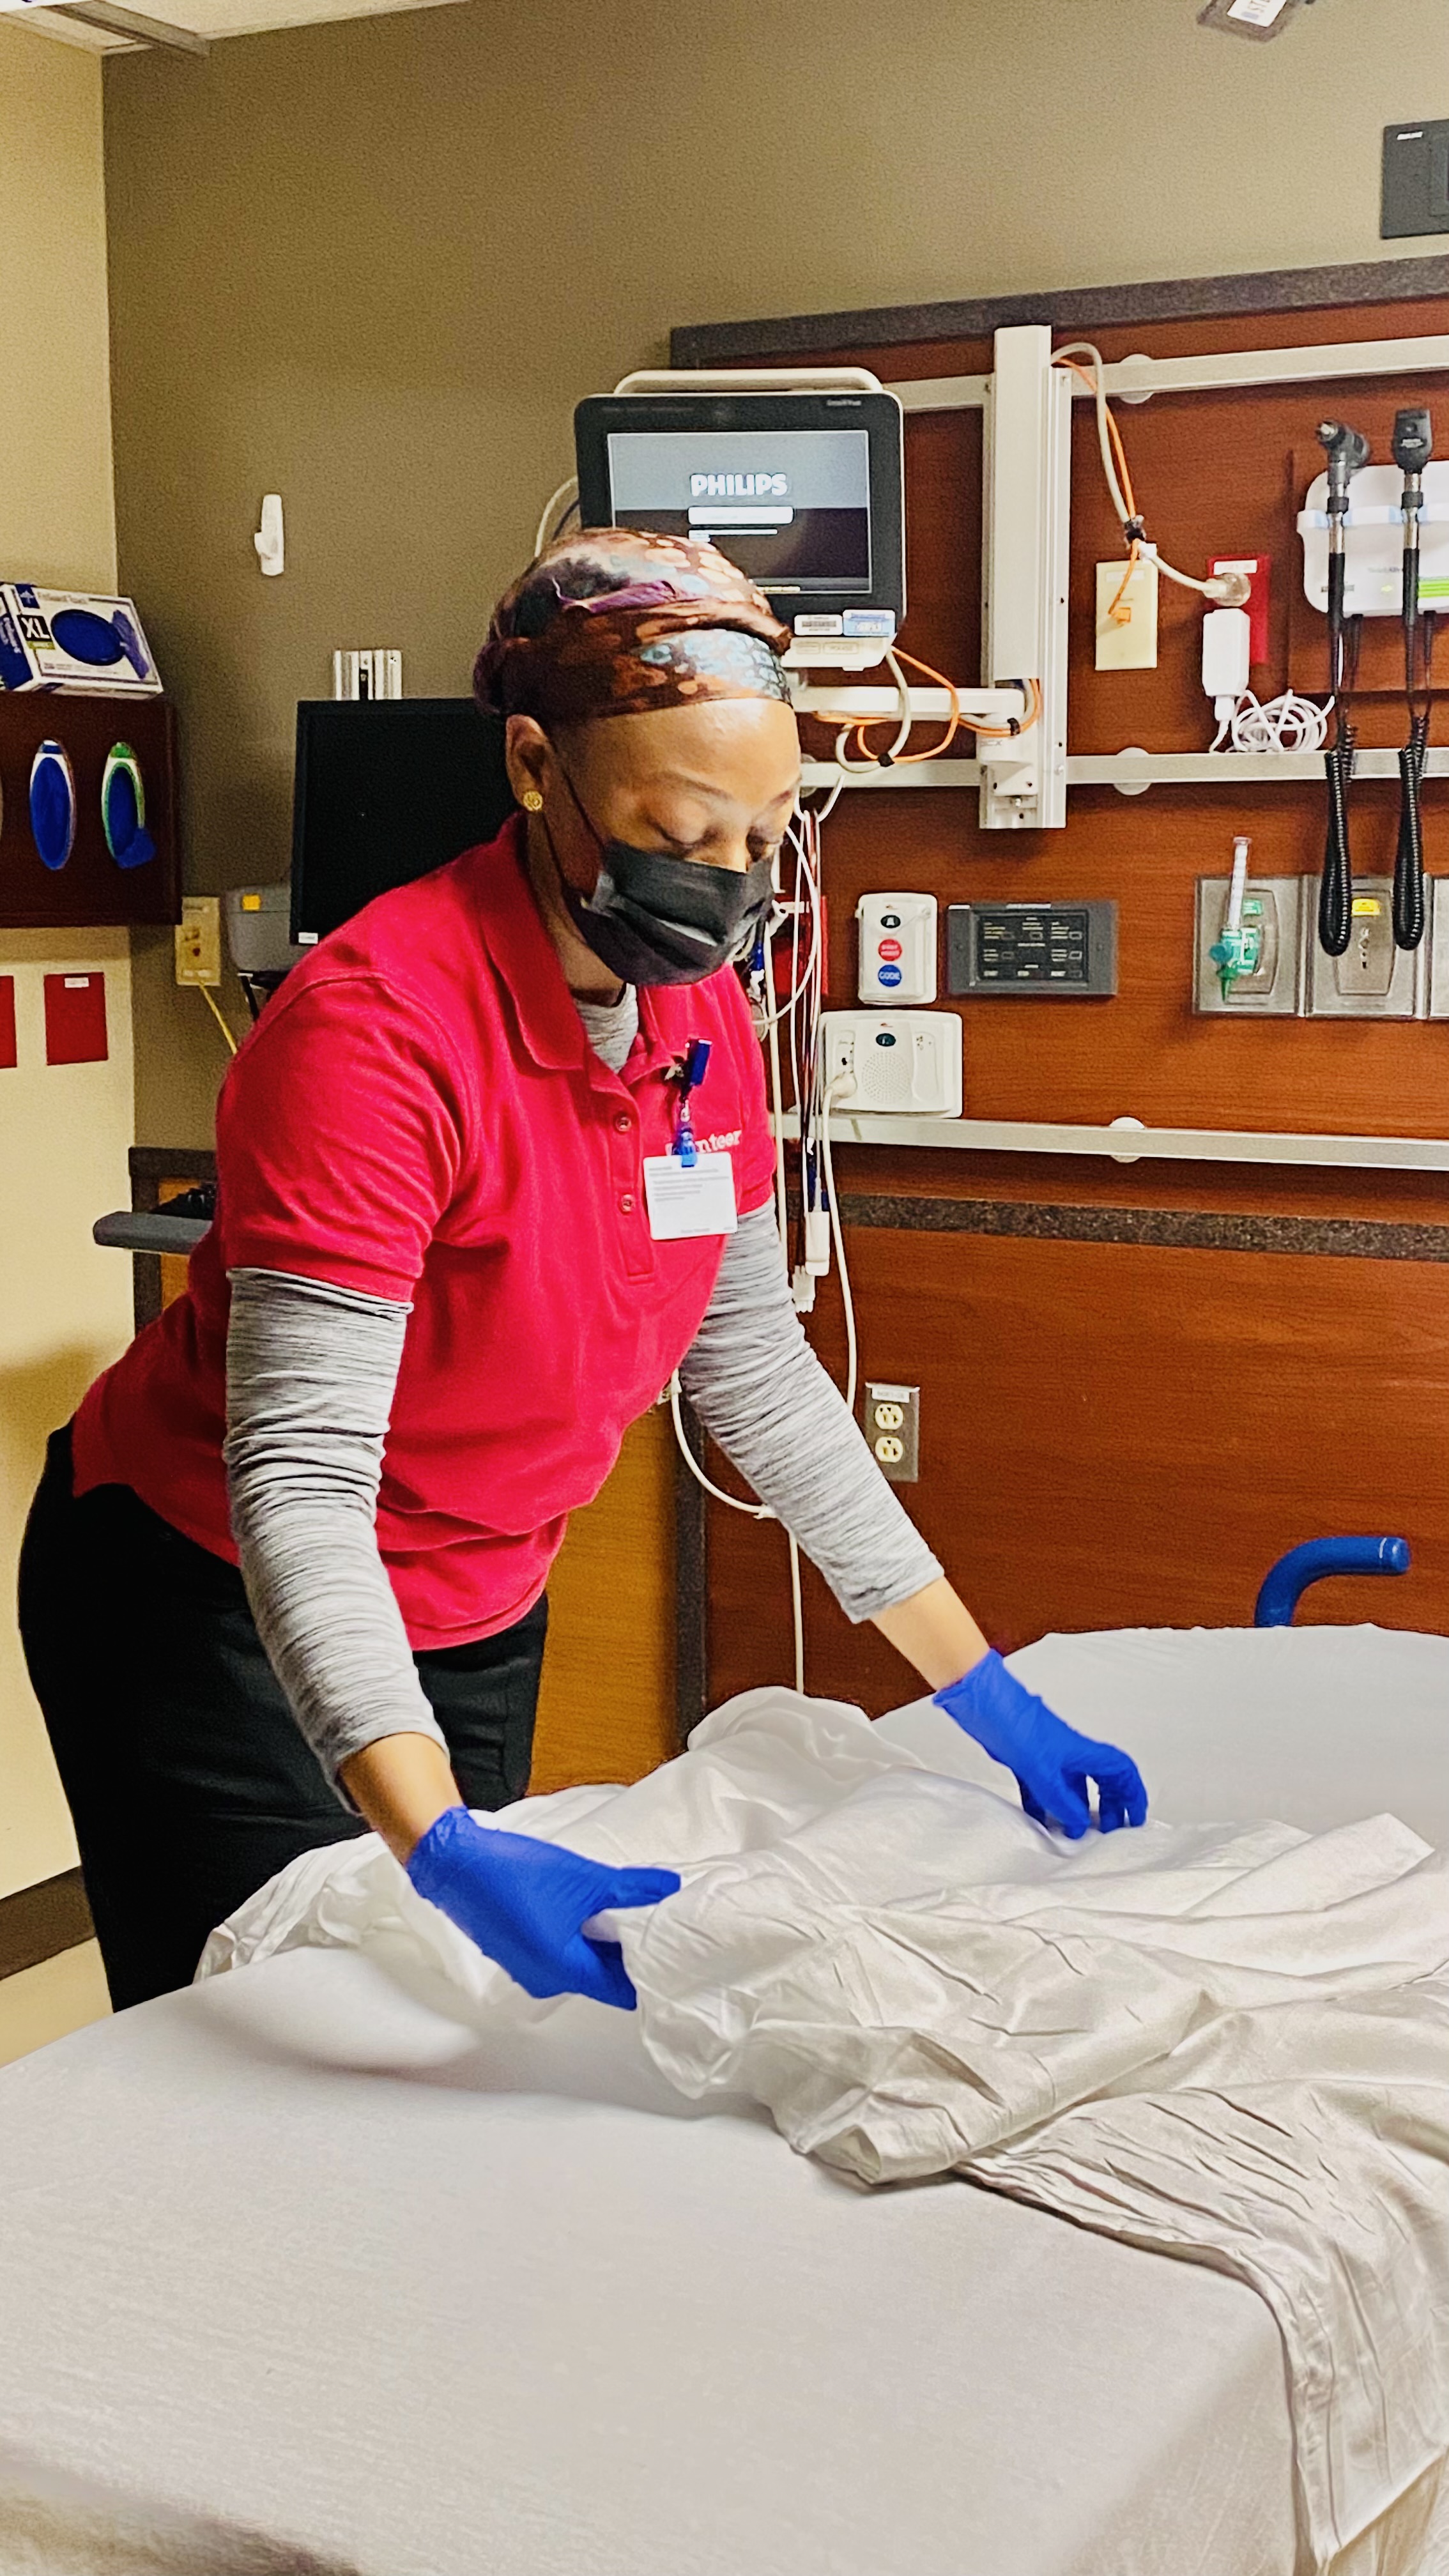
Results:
218 18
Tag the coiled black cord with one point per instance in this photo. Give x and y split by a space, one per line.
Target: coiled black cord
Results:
1409 856
1409 907
1335 892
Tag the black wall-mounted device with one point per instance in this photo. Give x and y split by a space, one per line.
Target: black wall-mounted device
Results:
1416 180
1053 952
385 791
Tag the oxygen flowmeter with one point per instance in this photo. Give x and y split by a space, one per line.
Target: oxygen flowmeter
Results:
1239 949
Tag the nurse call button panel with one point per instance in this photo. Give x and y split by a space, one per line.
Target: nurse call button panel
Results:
1052 951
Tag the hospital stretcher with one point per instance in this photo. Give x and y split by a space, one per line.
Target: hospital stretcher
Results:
297 2276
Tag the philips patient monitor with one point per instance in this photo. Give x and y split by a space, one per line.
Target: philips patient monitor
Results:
802 490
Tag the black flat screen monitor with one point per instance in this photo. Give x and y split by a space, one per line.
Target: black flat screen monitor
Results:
802 491
387 790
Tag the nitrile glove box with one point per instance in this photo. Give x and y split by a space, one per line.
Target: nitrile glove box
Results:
75 640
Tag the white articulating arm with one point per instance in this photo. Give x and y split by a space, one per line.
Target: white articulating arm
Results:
1025 564
852 705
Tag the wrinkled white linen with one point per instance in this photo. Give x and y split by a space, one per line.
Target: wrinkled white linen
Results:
1227 2043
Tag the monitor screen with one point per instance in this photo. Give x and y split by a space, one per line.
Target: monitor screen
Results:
803 490
789 507
385 791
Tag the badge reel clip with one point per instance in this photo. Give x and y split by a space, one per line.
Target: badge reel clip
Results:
693 1066
689 1194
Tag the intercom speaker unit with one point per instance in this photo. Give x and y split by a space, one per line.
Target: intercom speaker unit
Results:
905 1063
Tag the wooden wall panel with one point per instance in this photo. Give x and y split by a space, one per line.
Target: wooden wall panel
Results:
1115 1435
1120 1432
1212 475
607 1707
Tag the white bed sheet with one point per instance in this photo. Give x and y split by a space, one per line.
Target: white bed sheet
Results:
296 2276
1316 1726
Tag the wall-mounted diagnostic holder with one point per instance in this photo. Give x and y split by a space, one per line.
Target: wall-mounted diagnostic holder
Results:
1373 541
52 805
897 948
123 808
1057 952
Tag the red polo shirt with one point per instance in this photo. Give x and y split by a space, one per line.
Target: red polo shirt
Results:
419 1115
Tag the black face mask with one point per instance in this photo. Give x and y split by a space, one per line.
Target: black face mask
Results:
652 919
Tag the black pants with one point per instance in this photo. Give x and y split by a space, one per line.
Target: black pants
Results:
187 1776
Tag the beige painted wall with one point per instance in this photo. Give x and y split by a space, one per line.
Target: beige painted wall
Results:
64 1305
65 1311
57 519
373 265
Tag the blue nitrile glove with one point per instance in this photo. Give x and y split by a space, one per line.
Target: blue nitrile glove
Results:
1053 1764
524 1903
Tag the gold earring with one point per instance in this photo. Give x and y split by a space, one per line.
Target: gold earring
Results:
532 801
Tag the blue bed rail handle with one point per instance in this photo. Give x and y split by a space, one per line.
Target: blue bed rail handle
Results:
1289 1579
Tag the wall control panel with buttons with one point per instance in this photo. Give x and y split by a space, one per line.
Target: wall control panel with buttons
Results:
1048 951
897 948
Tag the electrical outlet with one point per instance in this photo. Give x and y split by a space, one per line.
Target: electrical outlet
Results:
198 940
893 1429
1127 641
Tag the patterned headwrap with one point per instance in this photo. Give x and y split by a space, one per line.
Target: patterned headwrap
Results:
614 621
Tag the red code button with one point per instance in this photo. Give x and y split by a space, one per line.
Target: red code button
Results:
890 948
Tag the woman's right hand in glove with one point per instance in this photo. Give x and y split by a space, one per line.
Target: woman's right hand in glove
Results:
525 1903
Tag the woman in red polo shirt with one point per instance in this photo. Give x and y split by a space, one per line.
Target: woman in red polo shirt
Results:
284 1575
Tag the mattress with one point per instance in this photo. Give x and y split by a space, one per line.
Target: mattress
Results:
297 2275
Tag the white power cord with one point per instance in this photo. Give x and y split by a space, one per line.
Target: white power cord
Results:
1288 723
752 1511
846 1299
803 1005
557 509
862 768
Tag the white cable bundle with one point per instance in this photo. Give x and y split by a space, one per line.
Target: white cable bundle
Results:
800 1016
1289 723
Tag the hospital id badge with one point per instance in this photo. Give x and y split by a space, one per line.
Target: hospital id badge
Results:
687 1199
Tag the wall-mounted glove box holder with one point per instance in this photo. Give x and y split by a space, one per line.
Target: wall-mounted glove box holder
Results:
131 874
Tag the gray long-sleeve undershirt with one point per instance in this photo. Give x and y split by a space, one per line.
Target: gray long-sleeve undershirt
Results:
311 1372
